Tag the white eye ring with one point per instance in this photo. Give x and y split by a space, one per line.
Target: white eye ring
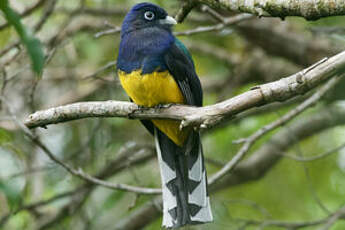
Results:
149 15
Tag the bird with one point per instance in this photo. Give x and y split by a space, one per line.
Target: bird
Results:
156 69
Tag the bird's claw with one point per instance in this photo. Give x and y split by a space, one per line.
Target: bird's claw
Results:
163 106
141 107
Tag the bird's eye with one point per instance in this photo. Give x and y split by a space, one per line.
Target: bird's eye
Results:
149 15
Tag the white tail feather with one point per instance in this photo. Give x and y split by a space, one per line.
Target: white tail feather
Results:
194 206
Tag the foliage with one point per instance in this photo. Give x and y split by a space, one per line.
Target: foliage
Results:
32 44
228 62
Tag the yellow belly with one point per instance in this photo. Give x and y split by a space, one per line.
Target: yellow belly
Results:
153 89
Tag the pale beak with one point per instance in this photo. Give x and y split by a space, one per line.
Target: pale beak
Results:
168 21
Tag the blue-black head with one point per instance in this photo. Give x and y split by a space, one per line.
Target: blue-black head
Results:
145 37
146 15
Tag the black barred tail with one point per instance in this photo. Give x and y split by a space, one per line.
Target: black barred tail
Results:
184 182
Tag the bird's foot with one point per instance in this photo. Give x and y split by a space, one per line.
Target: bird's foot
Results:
141 107
164 106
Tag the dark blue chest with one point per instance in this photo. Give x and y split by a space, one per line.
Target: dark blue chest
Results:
145 50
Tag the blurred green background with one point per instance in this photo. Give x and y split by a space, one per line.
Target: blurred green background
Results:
79 66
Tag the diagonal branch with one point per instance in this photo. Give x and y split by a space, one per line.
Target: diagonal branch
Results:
315 157
78 173
308 9
185 10
26 12
217 27
203 117
326 222
255 166
258 134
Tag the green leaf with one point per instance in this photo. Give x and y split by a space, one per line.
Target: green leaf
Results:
32 44
12 195
5 137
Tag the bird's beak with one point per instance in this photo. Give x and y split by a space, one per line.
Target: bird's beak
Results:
168 21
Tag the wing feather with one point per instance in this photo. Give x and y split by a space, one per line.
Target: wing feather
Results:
181 67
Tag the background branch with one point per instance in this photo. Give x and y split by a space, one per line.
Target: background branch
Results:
310 10
249 141
232 54
257 165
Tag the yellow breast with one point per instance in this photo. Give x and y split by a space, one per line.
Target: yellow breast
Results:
153 89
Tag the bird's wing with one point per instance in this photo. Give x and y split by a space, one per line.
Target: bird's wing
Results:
182 168
181 67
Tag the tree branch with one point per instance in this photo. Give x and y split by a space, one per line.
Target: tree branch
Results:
308 9
26 12
203 117
340 214
186 8
328 221
267 128
255 166
217 27
79 173
289 43
315 157
129 155
35 205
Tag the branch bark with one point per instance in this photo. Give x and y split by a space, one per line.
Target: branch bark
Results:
185 10
203 117
308 9
285 41
267 128
26 12
255 166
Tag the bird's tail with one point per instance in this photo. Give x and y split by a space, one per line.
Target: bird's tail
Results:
184 182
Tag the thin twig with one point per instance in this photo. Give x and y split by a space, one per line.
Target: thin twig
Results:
186 8
26 12
340 214
3 86
48 11
217 27
311 188
255 166
30 171
316 157
202 29
287 117
327 221
107 66
38 204
79 173
203 117
213 13
108 32
108 12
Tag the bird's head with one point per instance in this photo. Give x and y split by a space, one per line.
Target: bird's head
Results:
146 15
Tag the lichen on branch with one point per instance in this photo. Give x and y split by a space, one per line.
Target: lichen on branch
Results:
199 117
308 9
